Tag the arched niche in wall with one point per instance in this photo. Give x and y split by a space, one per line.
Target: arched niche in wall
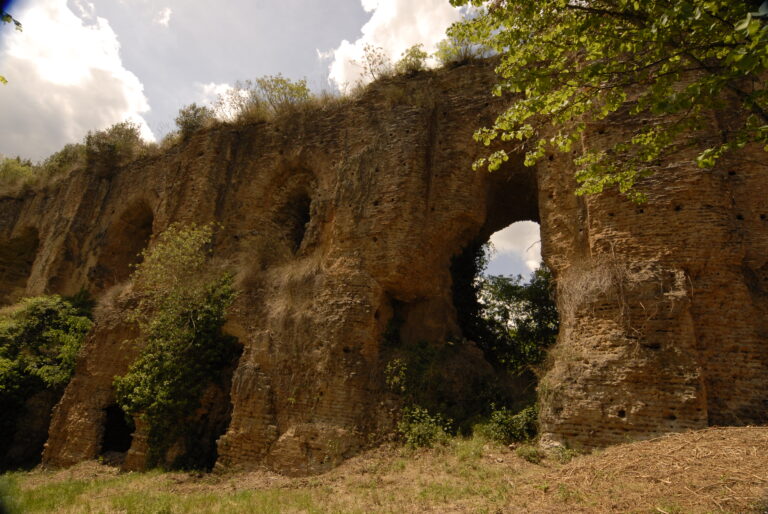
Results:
123 243
17 255
293 218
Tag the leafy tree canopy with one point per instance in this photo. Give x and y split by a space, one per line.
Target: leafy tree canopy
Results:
520 318
579 61
39 341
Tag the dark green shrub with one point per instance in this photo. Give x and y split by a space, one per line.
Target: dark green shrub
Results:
182 297
192 118
420 429
69 157
506 426
39 341
114 146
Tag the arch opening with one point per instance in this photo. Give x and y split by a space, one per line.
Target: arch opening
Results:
504 299
124 242
505 304
117 436
294 219
17 255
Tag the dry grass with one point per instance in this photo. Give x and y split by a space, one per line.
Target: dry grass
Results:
714 470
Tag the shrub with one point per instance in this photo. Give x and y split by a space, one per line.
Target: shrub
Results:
563 454
506 426
192 118
182 297
396 376
281 94
114 146
66 159
420 429
39 341
413 60
262 99
15 172
376 63
169 140
455 50
530 453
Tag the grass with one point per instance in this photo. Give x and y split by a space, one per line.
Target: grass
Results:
714 470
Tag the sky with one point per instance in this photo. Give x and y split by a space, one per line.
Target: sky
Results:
81 65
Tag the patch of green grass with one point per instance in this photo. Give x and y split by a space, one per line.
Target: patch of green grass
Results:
670 508
273 500
50 497
563 455
530 453
443 492
469 449
566 494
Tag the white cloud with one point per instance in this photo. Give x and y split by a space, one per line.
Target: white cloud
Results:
520 239
65 77
163 16
86 10
369 5
395 25
210 92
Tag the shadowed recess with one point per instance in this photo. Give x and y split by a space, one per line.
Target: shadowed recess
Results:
125 240
17 255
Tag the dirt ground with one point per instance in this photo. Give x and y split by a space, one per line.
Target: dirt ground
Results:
713 470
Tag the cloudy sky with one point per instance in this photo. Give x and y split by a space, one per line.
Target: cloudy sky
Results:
81 65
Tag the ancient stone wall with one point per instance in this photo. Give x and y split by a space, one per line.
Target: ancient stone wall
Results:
662 304
341 219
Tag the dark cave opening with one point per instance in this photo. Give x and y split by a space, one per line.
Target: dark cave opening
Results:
202 431
118 431
17 255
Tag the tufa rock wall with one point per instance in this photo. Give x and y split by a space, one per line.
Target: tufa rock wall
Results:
343 219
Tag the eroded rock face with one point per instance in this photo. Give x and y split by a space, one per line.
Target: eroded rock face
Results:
662 305
339 221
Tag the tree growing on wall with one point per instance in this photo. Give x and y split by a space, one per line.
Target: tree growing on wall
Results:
574 62
181 300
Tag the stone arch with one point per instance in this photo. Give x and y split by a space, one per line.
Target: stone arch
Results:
511 197
293 218
125 239
292 209
17 255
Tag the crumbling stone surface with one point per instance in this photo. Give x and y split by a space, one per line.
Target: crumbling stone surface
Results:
336 218
662 305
